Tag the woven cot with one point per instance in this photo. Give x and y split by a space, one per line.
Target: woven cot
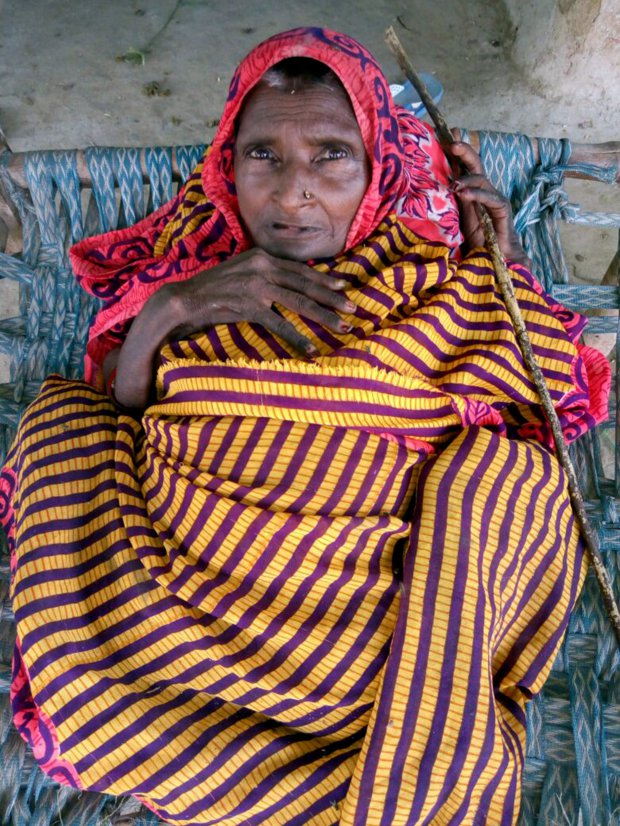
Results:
49 200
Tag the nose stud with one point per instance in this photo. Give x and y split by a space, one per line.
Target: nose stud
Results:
307 195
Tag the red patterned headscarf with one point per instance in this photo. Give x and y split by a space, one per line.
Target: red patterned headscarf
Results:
202 226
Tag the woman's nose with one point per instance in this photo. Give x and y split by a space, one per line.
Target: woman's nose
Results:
293 181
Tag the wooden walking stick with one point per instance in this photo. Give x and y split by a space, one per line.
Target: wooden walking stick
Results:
508 294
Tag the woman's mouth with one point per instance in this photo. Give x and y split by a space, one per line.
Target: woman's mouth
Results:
286 230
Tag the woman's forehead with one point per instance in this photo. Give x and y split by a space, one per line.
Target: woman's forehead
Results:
321 108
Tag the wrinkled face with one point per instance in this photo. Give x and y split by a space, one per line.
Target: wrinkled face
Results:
291 144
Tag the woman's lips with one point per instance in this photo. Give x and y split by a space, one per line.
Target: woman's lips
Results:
283 230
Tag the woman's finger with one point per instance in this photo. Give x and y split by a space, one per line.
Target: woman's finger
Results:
500 212
282 328
325 288
319 293
307 307
474 181
467 156
331 280
490 198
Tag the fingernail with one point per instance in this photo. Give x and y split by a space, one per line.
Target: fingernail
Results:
311 350
340 284
346 328
350 307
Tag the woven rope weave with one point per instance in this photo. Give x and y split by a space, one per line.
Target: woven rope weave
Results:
534 187
572 772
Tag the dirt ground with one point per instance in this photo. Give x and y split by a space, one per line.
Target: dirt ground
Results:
135 72
138 72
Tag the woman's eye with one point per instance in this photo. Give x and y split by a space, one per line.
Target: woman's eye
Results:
334 153
259 153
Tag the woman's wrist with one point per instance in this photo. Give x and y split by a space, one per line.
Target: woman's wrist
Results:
111 393
133 378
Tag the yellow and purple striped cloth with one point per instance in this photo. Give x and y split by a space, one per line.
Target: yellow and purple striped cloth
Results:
305 593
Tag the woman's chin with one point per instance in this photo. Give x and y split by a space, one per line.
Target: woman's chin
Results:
300 248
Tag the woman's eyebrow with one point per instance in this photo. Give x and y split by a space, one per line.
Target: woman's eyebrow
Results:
330 137
255 138
348 137
335 133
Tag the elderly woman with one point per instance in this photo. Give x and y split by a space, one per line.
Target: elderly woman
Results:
317 579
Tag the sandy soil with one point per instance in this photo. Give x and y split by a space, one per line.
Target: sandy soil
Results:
65 82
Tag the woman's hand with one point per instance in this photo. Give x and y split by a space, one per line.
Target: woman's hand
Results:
243 288
246 287
474 188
